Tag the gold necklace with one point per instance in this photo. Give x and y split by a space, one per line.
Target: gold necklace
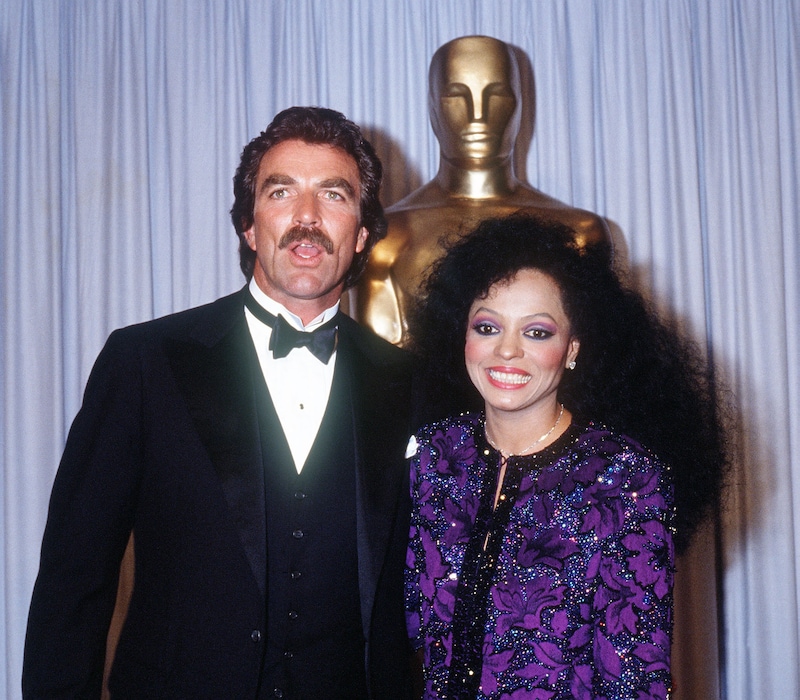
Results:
530 447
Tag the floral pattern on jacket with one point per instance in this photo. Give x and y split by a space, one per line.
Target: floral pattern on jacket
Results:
579 597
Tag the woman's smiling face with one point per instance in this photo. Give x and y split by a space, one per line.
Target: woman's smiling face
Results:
519 343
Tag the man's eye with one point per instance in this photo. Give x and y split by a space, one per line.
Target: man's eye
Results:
278 194
333 196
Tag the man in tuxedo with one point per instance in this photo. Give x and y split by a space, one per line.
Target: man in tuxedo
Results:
254 448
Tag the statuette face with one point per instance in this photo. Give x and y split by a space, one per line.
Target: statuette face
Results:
473 105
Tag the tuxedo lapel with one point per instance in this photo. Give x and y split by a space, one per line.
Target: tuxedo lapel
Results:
380 396
214 372
216 369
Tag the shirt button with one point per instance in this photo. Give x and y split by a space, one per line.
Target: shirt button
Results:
293 615
295 575
255 635
298 534
299 495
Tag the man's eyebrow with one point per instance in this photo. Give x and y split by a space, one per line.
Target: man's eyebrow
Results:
276 179
338 183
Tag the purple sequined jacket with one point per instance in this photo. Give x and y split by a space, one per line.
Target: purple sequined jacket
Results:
564 590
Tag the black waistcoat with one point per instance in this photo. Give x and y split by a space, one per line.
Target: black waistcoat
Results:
315 642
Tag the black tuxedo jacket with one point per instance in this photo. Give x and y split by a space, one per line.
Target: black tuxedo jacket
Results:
167 445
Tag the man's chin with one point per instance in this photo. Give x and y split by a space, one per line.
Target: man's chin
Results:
309 288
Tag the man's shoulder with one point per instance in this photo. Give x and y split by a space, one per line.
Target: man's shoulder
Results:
209 319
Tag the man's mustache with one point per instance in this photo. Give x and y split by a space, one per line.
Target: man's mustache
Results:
311 234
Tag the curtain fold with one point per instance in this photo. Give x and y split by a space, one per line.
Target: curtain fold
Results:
122 124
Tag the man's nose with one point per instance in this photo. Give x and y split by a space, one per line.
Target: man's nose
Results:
307 210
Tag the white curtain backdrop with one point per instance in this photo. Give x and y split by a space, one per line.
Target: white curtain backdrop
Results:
677 120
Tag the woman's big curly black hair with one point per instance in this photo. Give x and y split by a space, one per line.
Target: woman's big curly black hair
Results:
633 373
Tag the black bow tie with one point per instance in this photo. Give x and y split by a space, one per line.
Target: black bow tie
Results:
285 337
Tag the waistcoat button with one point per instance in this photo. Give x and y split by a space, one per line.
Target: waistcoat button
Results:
255 635
298 534
293 615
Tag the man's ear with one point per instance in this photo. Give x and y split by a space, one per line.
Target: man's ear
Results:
361 240
250 237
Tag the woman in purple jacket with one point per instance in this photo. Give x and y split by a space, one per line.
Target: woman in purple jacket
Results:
545 523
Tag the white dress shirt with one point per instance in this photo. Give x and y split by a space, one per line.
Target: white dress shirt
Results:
299 383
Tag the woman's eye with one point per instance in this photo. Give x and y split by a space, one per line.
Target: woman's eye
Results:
539 333
484 328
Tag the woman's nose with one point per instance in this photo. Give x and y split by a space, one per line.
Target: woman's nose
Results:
508 346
